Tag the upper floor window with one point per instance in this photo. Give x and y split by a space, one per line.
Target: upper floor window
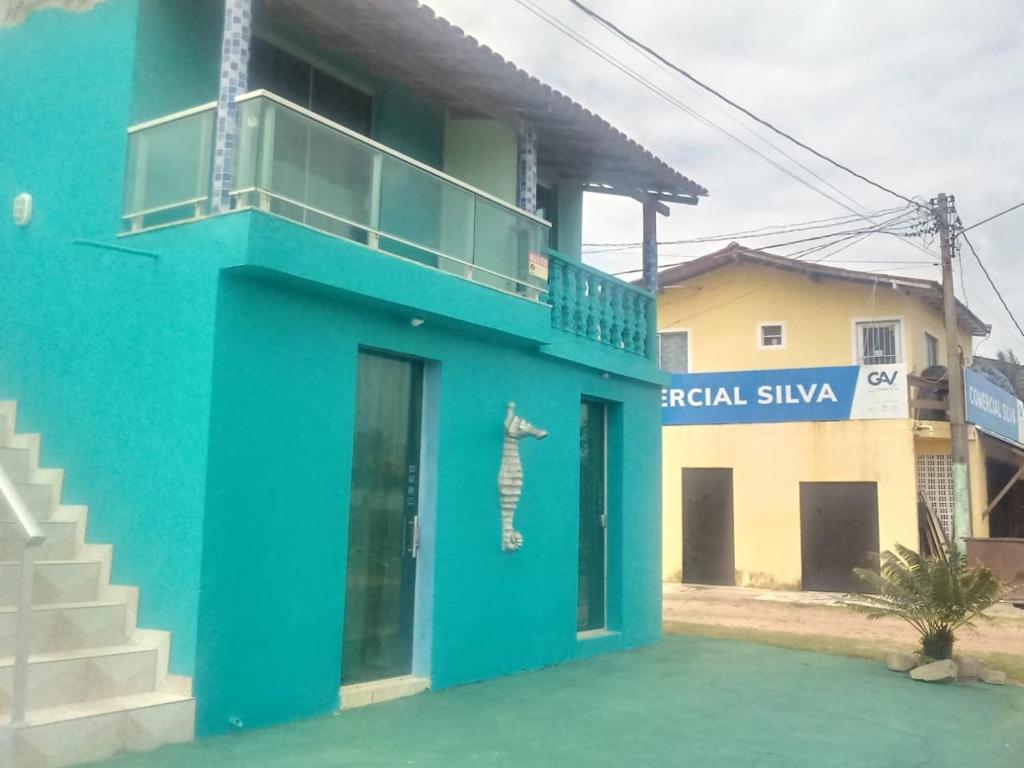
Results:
295 79
771 335
878 342
674 351
931 350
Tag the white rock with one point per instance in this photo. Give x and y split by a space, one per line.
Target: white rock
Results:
902 662
992 676
936 672
967 667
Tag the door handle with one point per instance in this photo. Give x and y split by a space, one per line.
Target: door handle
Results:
414 546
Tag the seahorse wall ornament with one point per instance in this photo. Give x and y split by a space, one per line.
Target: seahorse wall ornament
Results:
510 479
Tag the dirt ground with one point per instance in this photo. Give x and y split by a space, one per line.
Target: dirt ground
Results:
818 615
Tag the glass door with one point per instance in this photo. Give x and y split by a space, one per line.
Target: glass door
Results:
383 523
590 612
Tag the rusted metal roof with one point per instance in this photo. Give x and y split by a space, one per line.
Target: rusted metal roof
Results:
406 41
928 291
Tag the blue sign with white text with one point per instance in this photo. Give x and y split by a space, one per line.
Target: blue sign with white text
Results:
790 394
992 408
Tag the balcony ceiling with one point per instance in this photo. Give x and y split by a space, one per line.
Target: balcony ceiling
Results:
405 41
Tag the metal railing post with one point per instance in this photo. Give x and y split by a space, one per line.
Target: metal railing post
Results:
22 638
32 537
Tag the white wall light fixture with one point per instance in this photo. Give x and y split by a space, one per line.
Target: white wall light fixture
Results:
23 209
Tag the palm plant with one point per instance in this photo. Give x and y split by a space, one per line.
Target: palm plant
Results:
935 595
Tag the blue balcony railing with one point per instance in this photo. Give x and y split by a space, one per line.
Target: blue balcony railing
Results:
595 305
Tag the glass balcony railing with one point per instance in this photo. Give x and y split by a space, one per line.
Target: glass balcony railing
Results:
169 169
297 165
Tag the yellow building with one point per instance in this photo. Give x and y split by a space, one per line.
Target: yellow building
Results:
782 468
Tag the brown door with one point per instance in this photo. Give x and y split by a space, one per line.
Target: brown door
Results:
708 551
838 532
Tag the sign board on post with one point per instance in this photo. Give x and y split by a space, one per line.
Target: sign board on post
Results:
789 394
992 408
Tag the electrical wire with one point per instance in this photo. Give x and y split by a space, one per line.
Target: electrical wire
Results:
646 83
858 234
963 282
835 237
777 229
880 228
887 270
991 282
990 218
749 129
633 41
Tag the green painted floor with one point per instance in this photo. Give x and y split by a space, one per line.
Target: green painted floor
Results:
685 702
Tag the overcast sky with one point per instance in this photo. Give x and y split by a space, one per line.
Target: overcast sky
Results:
924 96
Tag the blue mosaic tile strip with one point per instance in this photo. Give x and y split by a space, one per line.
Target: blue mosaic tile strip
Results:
234 81
527 193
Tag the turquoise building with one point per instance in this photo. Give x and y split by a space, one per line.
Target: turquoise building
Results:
276 271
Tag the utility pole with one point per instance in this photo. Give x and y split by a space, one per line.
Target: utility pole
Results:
941 207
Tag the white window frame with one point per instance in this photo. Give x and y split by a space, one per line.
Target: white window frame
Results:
760 335
689 345
938 349
901 338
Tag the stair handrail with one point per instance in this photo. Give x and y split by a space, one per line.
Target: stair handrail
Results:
27 523
33 536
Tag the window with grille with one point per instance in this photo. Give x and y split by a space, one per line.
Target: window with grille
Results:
931 350
878 342
771 335
674 351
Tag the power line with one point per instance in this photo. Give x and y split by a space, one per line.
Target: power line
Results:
887 227
850 233
963 282
776 229
991 282
835 237
990 218
646 83
843 237
633 41
886 270
749 129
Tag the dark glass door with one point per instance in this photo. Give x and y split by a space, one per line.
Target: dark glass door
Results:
383 524
295 79
590 612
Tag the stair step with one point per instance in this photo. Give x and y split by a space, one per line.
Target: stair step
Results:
59 679
66 627
40 498
92 691
61 541
95 730
17 462
62 581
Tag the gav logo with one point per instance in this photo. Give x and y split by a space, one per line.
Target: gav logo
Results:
877 378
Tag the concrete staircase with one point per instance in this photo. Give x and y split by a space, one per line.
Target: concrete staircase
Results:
97 684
